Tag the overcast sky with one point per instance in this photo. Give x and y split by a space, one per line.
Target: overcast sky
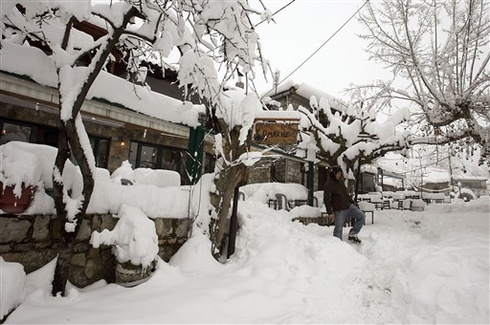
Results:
301 28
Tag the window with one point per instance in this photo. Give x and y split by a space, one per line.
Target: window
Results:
148 156
209 163
15 132
158 157
368 183
100 147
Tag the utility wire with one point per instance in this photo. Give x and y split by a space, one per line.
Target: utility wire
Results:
284 7
316 51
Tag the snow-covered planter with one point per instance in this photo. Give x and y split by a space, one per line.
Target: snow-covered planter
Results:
20 173
13 202
134 242
26 171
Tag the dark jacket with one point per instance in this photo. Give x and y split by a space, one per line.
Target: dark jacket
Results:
335 195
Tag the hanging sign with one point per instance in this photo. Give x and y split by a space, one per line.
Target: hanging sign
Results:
276 132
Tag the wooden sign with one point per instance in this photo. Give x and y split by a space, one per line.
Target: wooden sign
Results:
276 133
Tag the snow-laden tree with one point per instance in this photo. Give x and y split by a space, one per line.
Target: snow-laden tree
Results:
438 51
235 116
204 33
351 138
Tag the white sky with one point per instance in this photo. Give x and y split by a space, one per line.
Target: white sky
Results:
301 28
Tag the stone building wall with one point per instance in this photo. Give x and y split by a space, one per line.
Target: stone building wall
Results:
295 172
282 171
260 172
33 241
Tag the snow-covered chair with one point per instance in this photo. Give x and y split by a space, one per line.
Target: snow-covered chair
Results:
367 207
282 202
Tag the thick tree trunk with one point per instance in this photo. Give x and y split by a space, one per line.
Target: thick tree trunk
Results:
221 201
61 271
69 143
69 139
227 179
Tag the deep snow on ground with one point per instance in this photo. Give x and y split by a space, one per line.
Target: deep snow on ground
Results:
412 267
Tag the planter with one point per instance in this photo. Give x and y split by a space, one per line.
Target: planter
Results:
9 203
129 275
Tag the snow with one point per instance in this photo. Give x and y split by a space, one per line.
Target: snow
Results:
427 266
147 176
262 192
13 289
307 91
238 108
412 267
133 239
34 64
32 164
430 266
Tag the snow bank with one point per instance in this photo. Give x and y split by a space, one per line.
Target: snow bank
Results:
412 267
12 281
156 192
442 283
155 202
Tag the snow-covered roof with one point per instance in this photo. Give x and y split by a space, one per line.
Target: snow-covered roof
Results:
470 177
307 91
31 62
436 175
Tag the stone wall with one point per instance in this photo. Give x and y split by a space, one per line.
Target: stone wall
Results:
260 172
277 170
282 171
33 241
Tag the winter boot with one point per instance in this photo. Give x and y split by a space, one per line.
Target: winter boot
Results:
354 239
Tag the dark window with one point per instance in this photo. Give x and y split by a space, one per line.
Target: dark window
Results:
133 153
158 157
100 147
209 163
148 156
368 183
15 132
41 134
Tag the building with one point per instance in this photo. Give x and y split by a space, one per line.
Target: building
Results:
124 119
289 164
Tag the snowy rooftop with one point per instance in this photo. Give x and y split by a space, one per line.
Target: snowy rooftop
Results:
31 62
307 91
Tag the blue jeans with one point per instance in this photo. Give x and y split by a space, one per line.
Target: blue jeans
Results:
341 216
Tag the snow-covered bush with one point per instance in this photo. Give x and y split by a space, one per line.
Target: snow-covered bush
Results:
134 238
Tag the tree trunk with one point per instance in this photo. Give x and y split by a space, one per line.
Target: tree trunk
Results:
228 179
61 271
69 138
70 143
